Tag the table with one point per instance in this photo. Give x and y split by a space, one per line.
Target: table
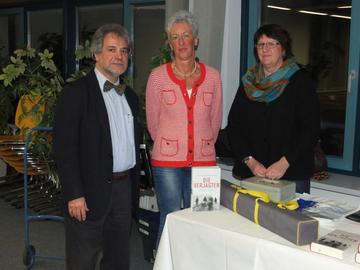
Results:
224 240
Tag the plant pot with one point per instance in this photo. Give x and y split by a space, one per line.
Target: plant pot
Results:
29 113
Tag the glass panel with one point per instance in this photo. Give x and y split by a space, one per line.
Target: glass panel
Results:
45 32
321 36
92 17
146 43
10 35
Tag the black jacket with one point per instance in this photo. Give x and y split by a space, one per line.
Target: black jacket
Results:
288 126
82 144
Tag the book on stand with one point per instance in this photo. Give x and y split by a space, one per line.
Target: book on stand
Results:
205 188
338 244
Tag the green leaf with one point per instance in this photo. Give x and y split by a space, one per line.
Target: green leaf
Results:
31 52
83 51
20 53
34 93
46 60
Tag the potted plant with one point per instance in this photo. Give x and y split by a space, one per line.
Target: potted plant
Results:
33 79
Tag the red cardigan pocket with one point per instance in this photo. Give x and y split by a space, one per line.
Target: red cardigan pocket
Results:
168 97
207 98
169 147
207 147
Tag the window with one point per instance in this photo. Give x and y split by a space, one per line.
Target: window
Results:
45 32
325 42
11 34
92 17
147 43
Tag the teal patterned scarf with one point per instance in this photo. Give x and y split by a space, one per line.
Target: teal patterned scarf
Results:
266 89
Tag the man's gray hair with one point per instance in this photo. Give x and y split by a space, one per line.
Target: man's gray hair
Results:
97 40
183 16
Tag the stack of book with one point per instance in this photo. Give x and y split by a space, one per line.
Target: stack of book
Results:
338 244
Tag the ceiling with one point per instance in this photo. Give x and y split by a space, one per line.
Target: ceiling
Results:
8 3
327 6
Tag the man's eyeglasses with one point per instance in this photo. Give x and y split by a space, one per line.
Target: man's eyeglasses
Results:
267 45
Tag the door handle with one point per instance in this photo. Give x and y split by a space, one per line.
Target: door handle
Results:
351 77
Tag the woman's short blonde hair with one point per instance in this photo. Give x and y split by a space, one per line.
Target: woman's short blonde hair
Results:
183 16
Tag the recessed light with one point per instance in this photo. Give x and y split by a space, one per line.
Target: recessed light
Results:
313 12
277 7
340 16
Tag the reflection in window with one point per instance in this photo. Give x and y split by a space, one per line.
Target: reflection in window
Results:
92 17
10 36
320 36
45 32
147 43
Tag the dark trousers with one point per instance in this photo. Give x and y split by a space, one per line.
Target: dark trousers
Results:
111 235
303 186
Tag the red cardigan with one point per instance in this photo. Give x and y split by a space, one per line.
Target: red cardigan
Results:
184 130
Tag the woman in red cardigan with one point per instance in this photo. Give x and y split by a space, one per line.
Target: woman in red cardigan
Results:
184 112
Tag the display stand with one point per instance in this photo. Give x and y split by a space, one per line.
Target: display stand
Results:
148 212
29 255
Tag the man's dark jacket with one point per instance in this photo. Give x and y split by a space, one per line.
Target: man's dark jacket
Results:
82 144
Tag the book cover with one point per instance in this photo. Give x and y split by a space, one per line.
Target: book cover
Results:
205 188
337 244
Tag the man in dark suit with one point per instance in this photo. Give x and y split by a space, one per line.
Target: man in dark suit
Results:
96 138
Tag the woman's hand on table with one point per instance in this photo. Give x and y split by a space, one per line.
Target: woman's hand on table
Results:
256 167
276 170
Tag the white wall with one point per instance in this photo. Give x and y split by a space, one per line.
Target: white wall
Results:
210 14
230 62
171 6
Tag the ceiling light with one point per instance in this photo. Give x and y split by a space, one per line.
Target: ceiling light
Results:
345 7
277 7
313 13
341 16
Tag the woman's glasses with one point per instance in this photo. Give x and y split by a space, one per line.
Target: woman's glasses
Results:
267 45
183 36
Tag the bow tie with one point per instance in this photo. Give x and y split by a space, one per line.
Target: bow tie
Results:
120 88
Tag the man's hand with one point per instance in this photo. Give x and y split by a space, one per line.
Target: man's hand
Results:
256 167
277 169
77 208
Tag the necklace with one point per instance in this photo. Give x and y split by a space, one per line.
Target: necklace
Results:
184 74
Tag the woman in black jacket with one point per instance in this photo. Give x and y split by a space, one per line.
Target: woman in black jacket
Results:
274 121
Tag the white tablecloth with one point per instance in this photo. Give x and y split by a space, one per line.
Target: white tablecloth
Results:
223 240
